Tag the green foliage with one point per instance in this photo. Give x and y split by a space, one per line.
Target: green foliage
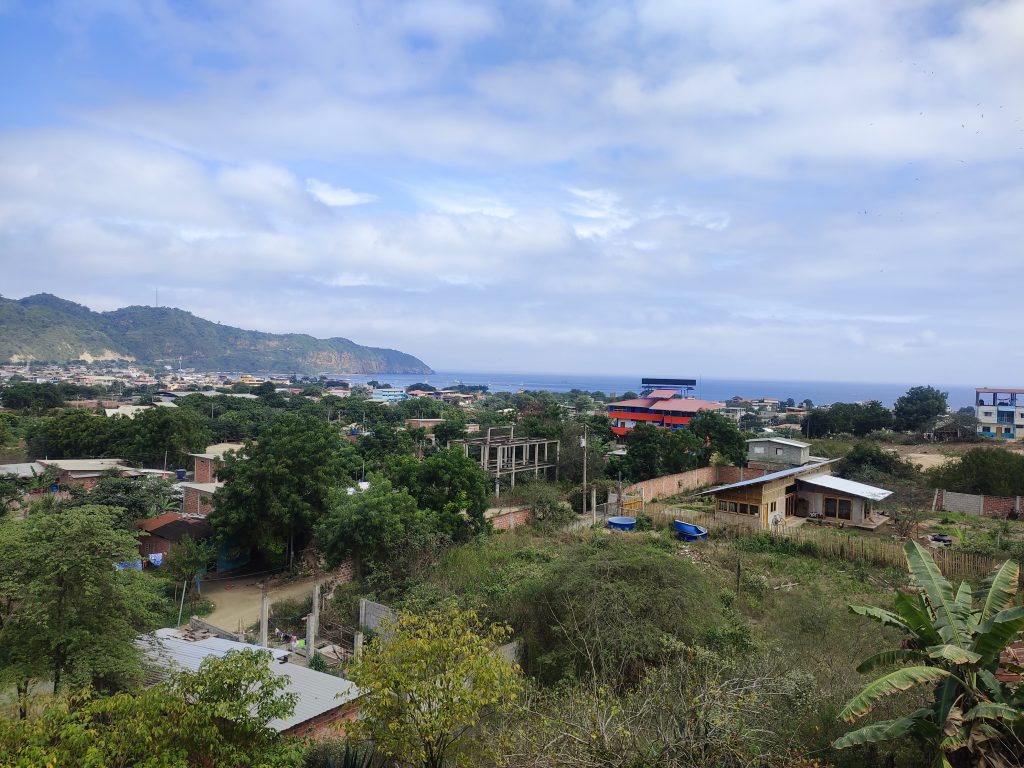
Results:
546 503
455 487
219 715
919 407
337 753
378 526
725 437
430 682
653 452
45 327
990 471
868 463
134 498
189 558
153 436
23 396
279 488
857 419
66 614
611 610
954 645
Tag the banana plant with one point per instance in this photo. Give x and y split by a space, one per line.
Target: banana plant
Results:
955 640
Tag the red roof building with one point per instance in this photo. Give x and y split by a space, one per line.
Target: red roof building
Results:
667 412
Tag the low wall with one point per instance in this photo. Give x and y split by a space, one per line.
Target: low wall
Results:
507 518
976 504
694 480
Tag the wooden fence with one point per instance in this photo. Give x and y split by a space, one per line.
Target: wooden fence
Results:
824 541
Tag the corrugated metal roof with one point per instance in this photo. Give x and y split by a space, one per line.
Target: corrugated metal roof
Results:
639 402
317 692
781 441
851 487
30 469
770 476
662 393
685 405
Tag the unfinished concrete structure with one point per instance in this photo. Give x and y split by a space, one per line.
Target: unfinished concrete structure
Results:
505 455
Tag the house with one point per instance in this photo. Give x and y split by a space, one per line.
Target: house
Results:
784 497
662 403
1000 412
773 451
83 472
131 411
206 462
389 395
425 424
169 528
323 701
197 498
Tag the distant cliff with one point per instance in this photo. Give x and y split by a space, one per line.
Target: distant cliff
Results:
48 328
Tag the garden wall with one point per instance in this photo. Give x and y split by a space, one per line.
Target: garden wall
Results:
694 480
976 504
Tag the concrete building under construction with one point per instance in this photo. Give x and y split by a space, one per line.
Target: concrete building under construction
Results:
503 455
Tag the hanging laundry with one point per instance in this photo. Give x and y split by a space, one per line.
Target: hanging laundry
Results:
156 559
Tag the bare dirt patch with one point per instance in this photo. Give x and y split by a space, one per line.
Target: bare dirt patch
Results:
237 601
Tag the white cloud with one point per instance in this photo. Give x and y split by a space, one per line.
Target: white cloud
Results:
337 196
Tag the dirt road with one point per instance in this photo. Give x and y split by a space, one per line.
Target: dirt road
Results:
238 601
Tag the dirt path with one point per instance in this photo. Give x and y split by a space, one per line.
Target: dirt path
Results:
238 600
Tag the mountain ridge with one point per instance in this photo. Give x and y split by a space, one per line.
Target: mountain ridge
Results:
49 328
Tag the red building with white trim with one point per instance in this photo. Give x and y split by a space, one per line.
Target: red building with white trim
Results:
663 403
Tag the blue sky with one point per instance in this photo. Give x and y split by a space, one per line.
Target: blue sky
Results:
812 189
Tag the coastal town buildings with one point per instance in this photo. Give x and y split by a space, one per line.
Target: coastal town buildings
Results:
1000 412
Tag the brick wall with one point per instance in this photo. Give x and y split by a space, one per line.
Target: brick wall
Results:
197 502
976 504
327 725
694 480
206 470
508 518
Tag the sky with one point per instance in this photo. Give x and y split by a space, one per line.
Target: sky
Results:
807 189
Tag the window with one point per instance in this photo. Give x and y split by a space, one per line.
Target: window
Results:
841 509
772 507
743 509
778 451
722 506
755 509
986 413
732 506
758 449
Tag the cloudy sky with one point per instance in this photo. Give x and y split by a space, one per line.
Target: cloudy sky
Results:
809 189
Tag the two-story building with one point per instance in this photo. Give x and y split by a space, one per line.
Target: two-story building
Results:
662 403
1000 412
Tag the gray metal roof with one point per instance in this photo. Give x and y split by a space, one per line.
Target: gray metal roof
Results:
770 476
29 469
780 440
847 486
317 692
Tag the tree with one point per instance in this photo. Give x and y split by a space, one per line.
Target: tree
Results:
429 682
373 526
23 396
990 471
66 613
725 437
276 490
190 557
449 429
219 715
954 642
134 498
919 407
454 486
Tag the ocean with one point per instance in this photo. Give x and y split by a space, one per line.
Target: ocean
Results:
819 392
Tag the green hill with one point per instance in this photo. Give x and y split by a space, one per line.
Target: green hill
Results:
48 328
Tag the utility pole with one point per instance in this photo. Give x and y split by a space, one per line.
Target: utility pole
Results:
583 443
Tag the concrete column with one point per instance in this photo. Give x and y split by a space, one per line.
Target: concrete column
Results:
310 636
263 616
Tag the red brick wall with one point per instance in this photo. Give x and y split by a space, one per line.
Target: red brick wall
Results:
329 724
511 519
695 479
206 470
990 506
731 474
998 506
148 545
197 502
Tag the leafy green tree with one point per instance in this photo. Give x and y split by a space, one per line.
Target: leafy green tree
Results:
429 686
133 498
455 487
374 526
953 642
725 437
867 462
918 408
163 435
452 428
189 558
66 613
74 434
217 716
988 471
23 396
12 491
276 490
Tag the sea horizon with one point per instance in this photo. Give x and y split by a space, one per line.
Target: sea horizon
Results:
707 388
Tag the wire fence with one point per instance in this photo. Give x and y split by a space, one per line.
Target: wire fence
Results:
841 544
